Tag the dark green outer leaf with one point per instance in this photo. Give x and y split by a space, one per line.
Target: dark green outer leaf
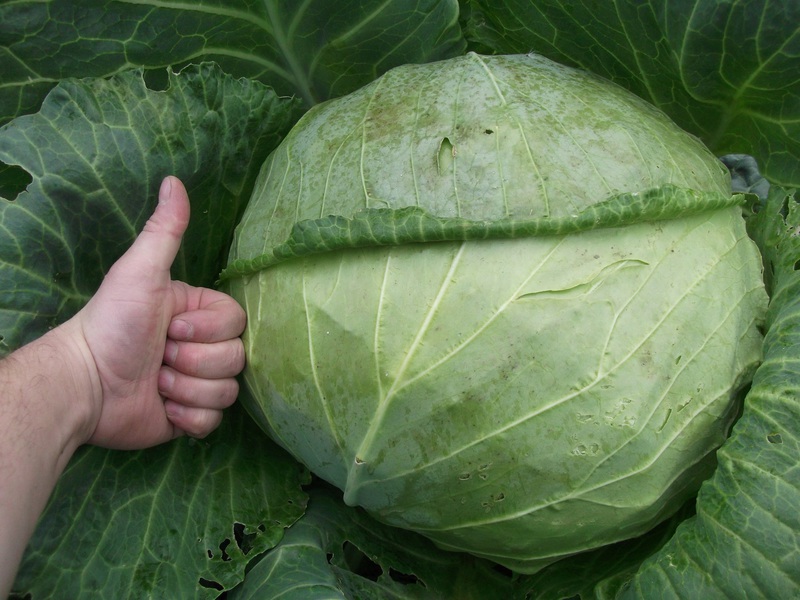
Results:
154 523
314 50
97 152
744 540
336 551
725 71
382 227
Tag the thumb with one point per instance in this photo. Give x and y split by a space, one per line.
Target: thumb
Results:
157 245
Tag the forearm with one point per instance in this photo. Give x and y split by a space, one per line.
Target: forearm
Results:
44 416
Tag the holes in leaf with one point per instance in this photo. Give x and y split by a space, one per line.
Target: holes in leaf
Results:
207 583
156 80
13 181
224 549
774 438
488 131
445 156
797 265
404 578
359 563
245 540
362 565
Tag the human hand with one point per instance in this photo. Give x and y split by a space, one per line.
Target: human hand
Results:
165 354
146 360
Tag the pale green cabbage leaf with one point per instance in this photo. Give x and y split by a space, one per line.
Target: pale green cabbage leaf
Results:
528 373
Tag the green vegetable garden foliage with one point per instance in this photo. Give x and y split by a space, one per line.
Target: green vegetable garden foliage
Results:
515 330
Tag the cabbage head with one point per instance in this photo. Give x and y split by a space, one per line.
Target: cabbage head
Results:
500 302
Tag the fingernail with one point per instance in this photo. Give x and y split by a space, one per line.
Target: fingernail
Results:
173 409
166 380
166 188
180 330
170 352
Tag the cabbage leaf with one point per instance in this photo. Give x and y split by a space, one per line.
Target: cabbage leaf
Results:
314 50
743 543
412 224
94 156
340 552
168 522
725 71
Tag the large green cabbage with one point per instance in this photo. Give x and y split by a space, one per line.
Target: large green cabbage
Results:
523 330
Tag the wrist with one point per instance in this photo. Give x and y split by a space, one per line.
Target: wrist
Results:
60 367
46 412
87 391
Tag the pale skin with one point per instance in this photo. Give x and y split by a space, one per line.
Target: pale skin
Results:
147 360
